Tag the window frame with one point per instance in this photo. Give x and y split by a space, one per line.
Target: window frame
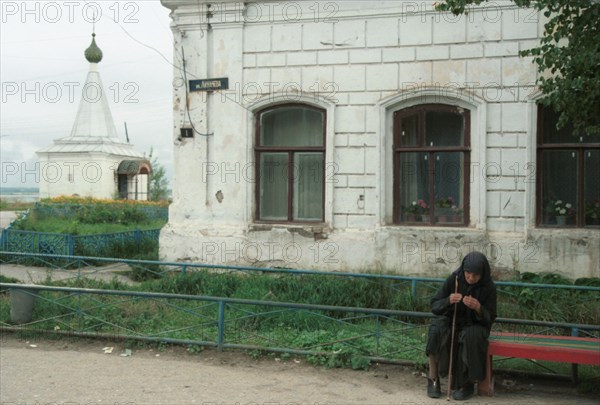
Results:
290 150
579 147
398 149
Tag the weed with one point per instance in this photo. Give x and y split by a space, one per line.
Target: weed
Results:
6 279
256 354
194 349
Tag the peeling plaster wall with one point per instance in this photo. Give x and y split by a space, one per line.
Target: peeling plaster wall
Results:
573 254
406 252
360 61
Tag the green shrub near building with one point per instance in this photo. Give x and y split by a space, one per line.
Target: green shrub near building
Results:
80 217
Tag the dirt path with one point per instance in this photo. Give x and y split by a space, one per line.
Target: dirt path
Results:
78 372
38 275
6 217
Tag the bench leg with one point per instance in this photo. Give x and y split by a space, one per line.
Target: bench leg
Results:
486 387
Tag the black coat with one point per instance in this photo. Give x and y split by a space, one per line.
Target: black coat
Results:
484 290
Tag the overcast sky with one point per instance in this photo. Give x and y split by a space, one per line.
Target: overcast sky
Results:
43 69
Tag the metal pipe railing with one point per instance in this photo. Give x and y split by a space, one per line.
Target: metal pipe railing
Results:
185 268
289 305
221 342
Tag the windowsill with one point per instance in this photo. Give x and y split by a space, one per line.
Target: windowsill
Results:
438 226
400 228
567 227
317 230
557 231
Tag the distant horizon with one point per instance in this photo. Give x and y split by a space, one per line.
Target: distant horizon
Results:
18 188
4 190
19 194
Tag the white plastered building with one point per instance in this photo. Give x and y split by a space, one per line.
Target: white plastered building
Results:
369 136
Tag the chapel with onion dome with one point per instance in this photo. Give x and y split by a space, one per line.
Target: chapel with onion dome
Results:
92 161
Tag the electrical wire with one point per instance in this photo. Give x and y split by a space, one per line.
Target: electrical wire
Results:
181 69
187 106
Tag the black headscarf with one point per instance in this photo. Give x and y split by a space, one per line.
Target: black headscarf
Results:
475 262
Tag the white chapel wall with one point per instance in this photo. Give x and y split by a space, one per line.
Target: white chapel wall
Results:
67 175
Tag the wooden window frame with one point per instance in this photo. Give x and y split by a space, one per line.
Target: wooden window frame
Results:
398 149
580 148
258 149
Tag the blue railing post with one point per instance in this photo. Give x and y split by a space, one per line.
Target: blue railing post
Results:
183 270
3 237
221 325
70 245
137 236
35 242
414 289
378 334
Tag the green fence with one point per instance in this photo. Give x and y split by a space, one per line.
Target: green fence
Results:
12 240
337 336
333 334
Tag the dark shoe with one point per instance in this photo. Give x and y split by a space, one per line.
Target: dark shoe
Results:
465 392
433 388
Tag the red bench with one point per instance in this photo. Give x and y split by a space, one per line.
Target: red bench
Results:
564 349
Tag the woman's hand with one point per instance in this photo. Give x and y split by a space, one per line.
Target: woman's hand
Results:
472 303
455 298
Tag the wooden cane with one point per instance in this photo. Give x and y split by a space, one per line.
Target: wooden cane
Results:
452 341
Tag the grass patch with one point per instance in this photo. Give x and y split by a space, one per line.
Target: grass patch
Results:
5 279
74 227
83 224
547 304
335 290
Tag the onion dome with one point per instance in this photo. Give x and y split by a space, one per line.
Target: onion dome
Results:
93 54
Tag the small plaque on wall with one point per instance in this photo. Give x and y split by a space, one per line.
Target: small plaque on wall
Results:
209 84
187 132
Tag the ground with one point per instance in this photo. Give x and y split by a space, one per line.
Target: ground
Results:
6 217
68 371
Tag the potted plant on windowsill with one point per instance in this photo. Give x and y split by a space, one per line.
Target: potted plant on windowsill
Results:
423 209
562 211
457 214
592 212
444 208
417 211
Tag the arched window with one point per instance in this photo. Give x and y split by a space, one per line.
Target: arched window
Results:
290 161
568 185
431 165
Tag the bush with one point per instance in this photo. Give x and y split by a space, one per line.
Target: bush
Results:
556 305
549 304
105 214
591 282
96 217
